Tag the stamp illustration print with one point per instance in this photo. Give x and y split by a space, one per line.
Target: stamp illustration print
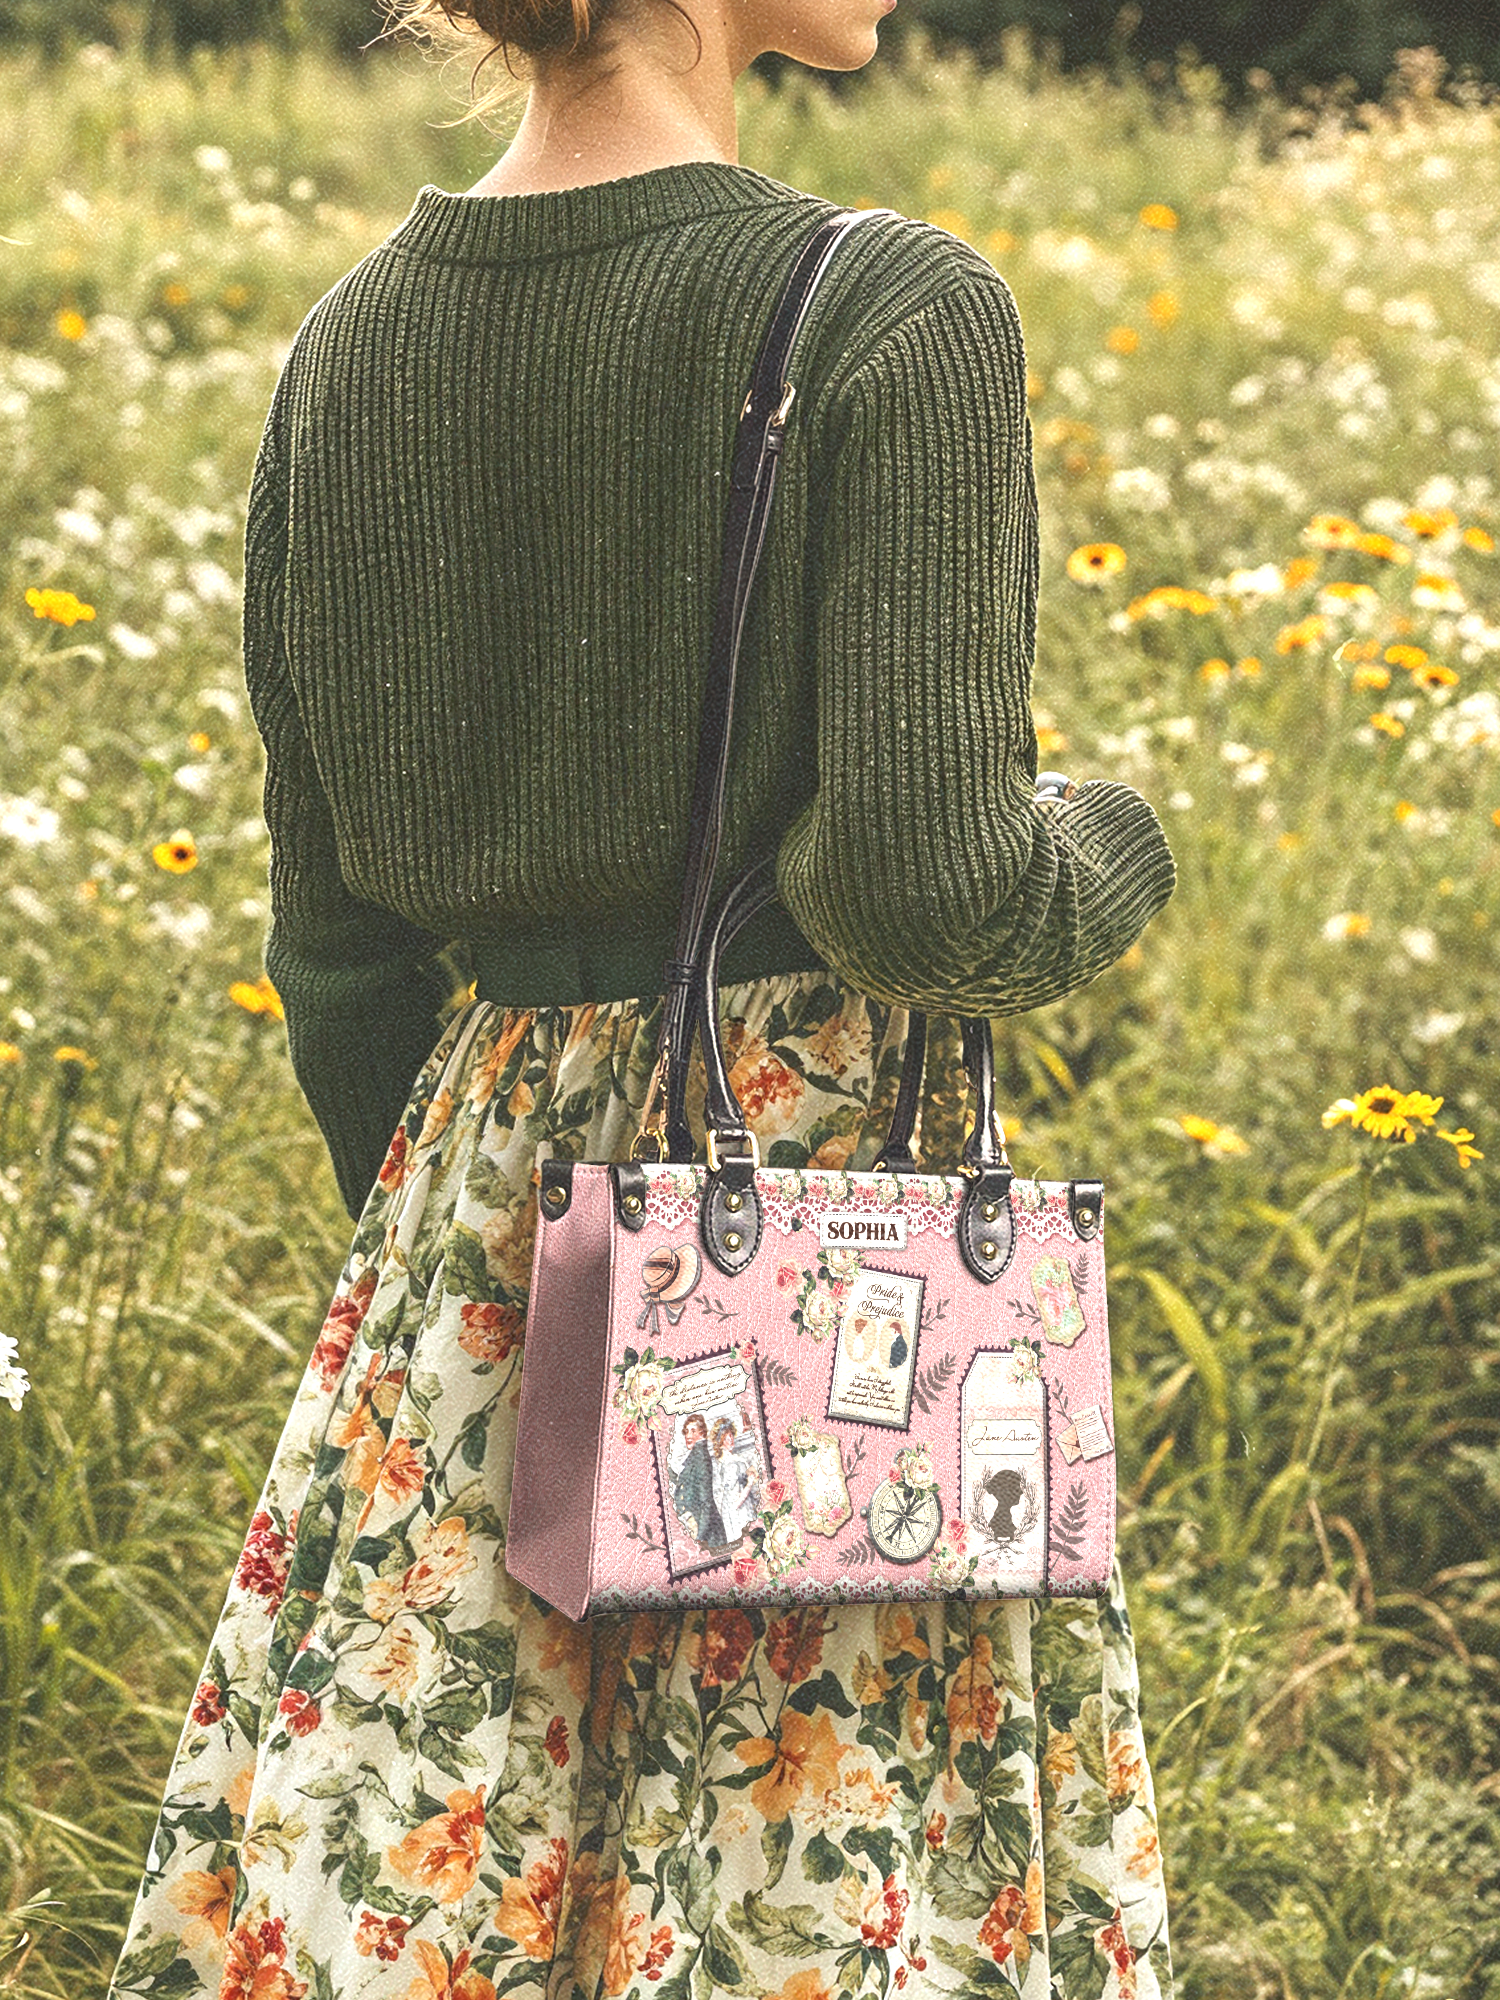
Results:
712 1459
1003 1466
875 1354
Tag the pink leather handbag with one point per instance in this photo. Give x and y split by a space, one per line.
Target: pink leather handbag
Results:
759 1385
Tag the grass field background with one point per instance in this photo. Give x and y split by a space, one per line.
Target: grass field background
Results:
1266 398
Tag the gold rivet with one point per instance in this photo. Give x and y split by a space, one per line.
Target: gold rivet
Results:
986 1249
633 1203
734 1201
1086 1216
732 1239
990 1211
554 1194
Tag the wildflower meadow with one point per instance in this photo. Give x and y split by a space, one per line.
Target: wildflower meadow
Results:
1264 347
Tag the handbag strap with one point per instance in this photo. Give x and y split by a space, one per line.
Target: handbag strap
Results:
752 484
689 977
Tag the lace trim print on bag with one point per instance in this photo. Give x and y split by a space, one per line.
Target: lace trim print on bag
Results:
927 1203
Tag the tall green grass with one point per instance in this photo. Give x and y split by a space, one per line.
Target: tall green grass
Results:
1304 1319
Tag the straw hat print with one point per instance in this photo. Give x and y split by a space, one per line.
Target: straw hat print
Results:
667 1277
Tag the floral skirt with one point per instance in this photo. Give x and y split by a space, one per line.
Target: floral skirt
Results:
404 1777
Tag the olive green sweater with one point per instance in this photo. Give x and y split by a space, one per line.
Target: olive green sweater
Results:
481 563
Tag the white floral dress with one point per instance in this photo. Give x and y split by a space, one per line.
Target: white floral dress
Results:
403 1777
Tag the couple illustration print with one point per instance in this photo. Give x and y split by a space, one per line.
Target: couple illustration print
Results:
716 1483
712 1463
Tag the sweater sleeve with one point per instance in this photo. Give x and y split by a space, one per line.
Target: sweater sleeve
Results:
361 987
924 870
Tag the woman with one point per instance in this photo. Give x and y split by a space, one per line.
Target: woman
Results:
479 574
736 1494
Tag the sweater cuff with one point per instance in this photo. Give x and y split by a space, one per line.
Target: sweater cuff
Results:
358 1039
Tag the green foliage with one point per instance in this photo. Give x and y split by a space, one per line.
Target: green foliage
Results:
1299 42
1305 1321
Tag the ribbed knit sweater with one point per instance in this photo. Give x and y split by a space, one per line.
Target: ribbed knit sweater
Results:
481 562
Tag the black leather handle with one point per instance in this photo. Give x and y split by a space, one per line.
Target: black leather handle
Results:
896 1154
750 893
723 1115
752 481
984 1150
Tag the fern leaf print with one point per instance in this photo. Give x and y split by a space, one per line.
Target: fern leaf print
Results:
1067 1525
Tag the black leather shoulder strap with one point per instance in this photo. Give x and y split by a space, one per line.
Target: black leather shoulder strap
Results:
690 974
752 483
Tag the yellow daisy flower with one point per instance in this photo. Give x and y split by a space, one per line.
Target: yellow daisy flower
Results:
953 220
1095 561
1332 531
1340 593
1170 597
1218 1141
257 996
61 606
1384 548
1427 523
177 854
1385 1113
1306 632
1462 1143
1379 1112
1437 593
1163 309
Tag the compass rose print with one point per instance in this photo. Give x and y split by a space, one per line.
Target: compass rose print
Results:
904 1519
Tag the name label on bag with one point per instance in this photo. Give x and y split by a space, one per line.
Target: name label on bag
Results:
852 1229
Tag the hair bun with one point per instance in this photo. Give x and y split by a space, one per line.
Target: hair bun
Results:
528 27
